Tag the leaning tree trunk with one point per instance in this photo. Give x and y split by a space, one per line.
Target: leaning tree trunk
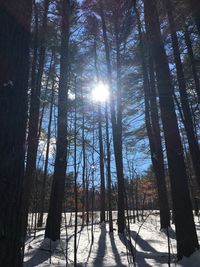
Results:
187 241
15 17
57 191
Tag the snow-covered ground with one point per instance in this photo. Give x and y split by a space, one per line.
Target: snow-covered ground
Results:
145 243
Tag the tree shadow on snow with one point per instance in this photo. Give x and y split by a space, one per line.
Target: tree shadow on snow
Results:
101 249
115 251
129 249
38 257
171 232
148 251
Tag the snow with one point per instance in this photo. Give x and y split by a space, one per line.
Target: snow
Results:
146 243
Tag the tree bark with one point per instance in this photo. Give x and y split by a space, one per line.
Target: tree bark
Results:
43 193
188 122
15 20
101 160
83 159
153 130
101 152
75 178
57 191
33 136
117 142
109 179
187 241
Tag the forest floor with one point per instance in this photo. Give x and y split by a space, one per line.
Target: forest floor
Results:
144 246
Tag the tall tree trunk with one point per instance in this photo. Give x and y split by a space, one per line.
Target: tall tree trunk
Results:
75 178
101 158
153 130
87 195
118 130
158 157
35 46
187 241
188 123
43 193
101 152
15 20
84 159
117 142
57 191
33 136
109 180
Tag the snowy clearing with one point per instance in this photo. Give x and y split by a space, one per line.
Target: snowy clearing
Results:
146 243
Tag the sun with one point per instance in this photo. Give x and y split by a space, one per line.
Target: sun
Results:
100 93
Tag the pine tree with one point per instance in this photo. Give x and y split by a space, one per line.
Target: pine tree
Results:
116 126
187 241
188 122
153 129
15 20
57 191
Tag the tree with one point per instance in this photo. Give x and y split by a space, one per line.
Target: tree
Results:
153 128
33 134
42 197
108 168
116 126
15 20
187 241
188 123
57 192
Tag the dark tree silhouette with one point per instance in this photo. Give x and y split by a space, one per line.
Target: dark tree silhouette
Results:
57 192
187 241
188 122
116 127
153 128
14 61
